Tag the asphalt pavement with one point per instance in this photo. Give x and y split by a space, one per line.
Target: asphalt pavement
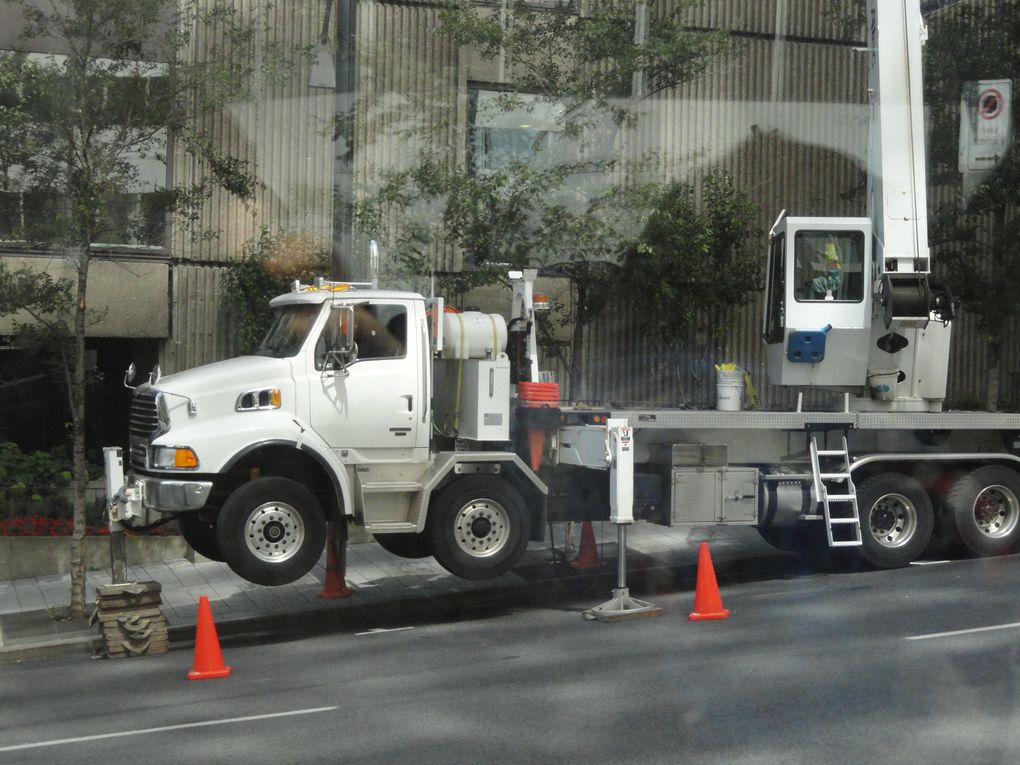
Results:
385 590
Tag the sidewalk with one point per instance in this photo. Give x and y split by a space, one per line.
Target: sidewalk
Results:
388 589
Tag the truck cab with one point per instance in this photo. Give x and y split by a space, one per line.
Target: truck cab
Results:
333 419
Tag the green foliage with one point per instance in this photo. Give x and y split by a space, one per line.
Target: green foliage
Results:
565 211
695 258
34 491
36 470
75 125
40 307
266 269
589 60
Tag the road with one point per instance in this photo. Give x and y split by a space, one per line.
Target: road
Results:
907 666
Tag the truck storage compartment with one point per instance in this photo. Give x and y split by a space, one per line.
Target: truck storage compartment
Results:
472 398
714 495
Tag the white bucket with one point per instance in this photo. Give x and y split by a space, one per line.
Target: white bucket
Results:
882 383
729 390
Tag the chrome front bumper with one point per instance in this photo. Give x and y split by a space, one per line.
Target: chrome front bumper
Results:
140 501
175 496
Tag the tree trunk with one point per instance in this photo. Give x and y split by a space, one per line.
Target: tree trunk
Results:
1001 265
76 398
992 373
577 340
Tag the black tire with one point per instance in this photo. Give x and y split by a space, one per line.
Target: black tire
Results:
200 534
478 527
897 520
271 531
405 545
984 505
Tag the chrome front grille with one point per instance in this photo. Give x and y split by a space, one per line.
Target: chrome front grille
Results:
138 456
143 422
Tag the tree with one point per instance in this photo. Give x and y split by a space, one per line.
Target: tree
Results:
976 236
266 269
694 259
75 125
572 201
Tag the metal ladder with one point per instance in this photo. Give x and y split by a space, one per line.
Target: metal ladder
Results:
835 486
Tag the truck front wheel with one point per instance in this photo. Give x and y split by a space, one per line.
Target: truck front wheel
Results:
478 527
896 519
271 531
986 510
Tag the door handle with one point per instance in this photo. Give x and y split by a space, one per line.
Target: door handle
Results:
410 401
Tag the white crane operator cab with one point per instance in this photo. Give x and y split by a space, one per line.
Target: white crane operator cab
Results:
818 313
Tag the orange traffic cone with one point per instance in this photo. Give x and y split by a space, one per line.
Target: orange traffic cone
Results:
208 659
707 603
536 445
588 555
335 585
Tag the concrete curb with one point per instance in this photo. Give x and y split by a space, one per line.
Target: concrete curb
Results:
563 585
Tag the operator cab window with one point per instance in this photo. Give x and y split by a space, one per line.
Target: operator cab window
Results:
829 265
380 332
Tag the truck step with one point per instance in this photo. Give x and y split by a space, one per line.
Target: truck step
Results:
843 520
386 487
834 476
847 543
831 453
842 497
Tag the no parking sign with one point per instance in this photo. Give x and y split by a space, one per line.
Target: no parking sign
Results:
985 124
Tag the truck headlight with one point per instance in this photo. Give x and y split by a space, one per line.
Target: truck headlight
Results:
256 400
174 457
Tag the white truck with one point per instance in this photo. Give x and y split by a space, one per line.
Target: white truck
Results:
431 429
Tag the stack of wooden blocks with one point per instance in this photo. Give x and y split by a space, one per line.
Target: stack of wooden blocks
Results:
130 620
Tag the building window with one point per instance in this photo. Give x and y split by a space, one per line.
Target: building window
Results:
33 211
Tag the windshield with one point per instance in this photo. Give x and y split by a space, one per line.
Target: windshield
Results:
291 326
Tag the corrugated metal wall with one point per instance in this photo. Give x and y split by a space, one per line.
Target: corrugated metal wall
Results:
411 96
790 125
286 134
785 114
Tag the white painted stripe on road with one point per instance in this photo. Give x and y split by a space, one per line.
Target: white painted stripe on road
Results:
1014 625
928 562
382 631
163 728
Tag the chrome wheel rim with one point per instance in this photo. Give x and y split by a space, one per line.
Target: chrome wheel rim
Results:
996 512
892 520
274 532
481 528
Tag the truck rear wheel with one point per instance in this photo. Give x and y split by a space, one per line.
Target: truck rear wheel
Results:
897 520
985 507
200 534
271 531
478 527
405 545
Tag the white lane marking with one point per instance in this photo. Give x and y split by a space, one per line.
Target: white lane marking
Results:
928 562
163 728
382 631
1014 625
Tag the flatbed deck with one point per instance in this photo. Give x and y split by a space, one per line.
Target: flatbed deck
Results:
711 419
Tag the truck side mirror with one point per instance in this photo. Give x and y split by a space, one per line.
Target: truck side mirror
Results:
342 350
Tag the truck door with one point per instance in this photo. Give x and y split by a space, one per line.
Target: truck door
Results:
371 406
